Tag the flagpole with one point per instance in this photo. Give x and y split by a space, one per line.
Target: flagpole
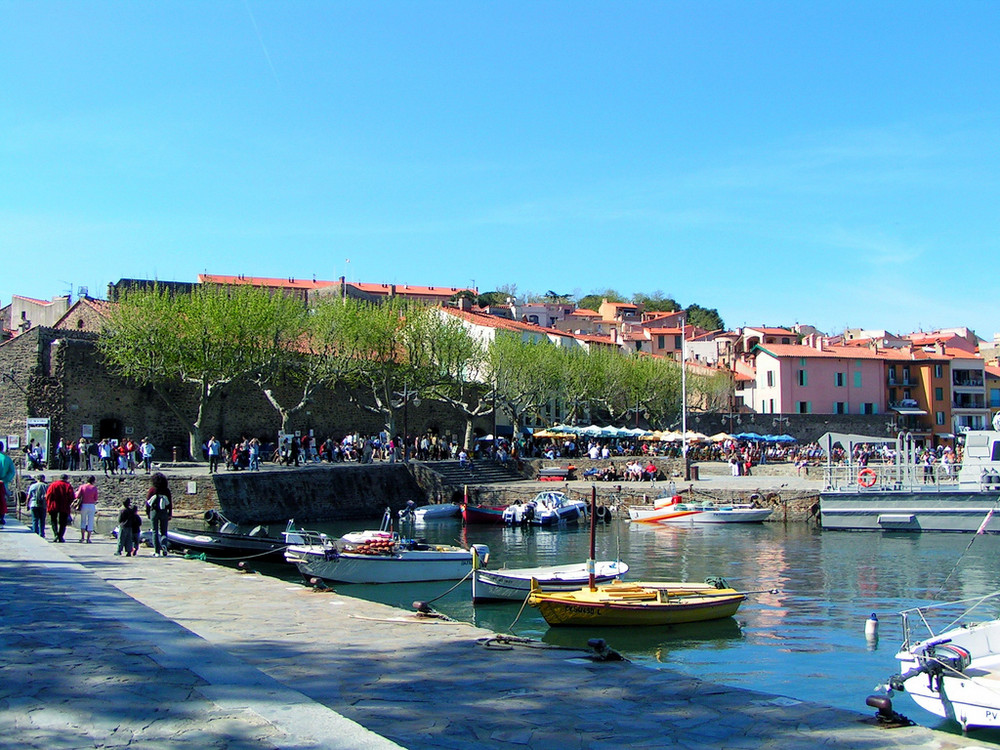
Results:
684 400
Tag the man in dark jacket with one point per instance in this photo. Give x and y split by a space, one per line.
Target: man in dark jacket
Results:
59 499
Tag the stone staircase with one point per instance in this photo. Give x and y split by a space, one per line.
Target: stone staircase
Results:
452 473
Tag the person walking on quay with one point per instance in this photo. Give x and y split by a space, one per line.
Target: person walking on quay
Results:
214 451
86 497
129 524
159 510
7 473
59 500
146 450
37 505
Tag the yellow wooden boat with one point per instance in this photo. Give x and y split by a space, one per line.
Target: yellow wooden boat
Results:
637 603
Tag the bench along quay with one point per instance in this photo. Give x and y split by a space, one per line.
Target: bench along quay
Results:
105 651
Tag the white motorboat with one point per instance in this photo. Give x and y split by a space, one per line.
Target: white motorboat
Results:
513 584
546 509
954 671
675 512
379 556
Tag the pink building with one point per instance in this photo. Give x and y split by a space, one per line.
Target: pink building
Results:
812 378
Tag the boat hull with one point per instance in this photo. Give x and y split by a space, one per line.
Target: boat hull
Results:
949 510
486 514
403 567
688 517
515 583
227 546
683 603
437 511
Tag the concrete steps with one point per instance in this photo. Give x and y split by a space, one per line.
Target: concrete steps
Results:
482 472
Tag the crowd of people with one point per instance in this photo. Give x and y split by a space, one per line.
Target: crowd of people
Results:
57 501
248 453
113 456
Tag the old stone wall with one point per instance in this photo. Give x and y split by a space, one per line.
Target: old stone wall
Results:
63 378
317 493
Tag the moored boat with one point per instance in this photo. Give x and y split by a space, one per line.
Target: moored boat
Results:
514 584
632 604
637 603
230 543
952 672
432 512
906 495
486 514
546 509
381 556
681 513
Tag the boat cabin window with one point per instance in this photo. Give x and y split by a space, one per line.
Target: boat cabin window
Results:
996 451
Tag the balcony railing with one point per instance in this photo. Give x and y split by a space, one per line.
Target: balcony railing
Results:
968 403
968 382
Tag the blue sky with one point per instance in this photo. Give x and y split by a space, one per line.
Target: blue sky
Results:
827 163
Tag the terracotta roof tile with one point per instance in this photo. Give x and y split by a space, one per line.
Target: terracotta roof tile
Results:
287 283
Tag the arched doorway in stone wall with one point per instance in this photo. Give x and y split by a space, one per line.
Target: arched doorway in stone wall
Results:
110 429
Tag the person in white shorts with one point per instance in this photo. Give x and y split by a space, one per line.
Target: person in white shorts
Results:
86 498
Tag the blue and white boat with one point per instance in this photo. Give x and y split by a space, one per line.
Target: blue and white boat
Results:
546 509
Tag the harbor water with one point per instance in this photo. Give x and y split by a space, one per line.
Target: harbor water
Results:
806 642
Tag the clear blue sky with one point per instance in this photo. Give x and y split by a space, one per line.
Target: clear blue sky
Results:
832 163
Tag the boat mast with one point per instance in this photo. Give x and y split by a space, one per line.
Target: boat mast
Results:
591 564
684 400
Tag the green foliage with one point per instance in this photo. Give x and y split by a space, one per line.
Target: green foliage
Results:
523 373
207 338
699 316
495 299
593 300
656 302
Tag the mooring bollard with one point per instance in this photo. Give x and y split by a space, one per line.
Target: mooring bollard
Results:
175 454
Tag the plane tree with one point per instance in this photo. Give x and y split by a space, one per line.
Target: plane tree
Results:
583 378
393 345
459 360
205 340
304 351
523 374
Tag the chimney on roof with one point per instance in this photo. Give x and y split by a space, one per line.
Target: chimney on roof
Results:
939 347
464 303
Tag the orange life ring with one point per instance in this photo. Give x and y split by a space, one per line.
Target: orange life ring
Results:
867 477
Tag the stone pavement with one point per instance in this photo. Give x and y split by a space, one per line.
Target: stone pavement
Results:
105 651
83 665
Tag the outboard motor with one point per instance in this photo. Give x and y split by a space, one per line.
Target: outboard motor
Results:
949 656
482 551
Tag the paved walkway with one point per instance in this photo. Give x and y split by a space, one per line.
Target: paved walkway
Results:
104 651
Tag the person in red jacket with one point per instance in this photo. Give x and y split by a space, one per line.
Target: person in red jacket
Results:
58 501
